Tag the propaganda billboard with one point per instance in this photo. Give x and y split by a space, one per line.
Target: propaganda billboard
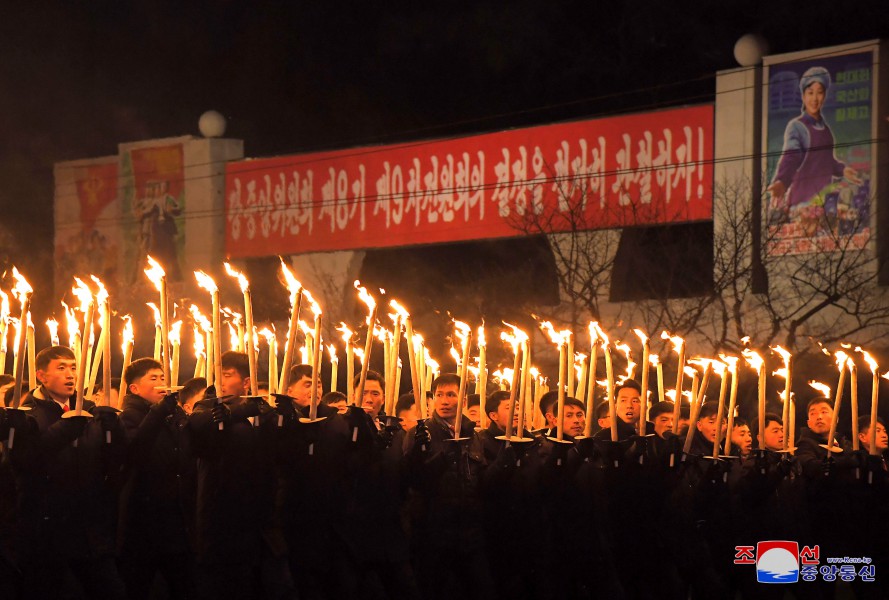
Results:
602 173
819 118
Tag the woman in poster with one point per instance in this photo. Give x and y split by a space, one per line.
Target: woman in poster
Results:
808 164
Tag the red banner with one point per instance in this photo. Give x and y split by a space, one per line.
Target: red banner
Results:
603 173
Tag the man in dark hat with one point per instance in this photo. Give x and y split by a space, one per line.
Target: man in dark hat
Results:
156 512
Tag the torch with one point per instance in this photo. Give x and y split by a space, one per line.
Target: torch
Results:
22 292
249 345
158 277
127 348
214 367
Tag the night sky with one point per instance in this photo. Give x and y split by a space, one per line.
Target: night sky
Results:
78 78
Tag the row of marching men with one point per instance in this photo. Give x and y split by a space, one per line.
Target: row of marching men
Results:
227 495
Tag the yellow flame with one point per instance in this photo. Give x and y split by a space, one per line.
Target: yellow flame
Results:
399 309
316 308
155 273
785 354
461 330
305 328
642 337
514 339
175 332
535 372
418 342
71 325
293 286
631 366
690 371
455 355
359 353
331 350
365 297
205 282
22 288
102 294
480 339
731 362
871 362
242 279
157 313
347 333
4 305
822 388
671 394
677 341
842 359
53 326
200 319
199 349
128 334
83 293
753 359
268 334
654 360
782 373
597 334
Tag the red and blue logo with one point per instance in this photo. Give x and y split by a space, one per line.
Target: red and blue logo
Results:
777 562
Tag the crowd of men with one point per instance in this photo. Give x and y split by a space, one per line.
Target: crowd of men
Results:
212 493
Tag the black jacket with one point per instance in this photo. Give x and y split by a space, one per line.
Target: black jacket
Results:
235 481
68 492
157 500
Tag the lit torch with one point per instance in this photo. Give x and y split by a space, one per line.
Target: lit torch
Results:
842 360
646 352
214 350
85 295
874 401
348 340
53 327
22 291
127 348
787 373
295 290
158 277
371 320
249 344
516 339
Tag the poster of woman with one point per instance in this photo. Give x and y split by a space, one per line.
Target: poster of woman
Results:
819 153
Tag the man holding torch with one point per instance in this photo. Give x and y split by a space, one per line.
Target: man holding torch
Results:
157 501
68 496
445 470
235 485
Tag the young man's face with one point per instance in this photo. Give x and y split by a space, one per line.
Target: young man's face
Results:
629 405
882 438
501 417
446 401
774 436
574 421
301 391
742 439
820 418
145 386
409 417
663 423
340 405
372 401
234 384
604 422
59 378
709 428
474 414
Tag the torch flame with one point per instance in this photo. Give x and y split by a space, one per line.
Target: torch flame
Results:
514 339
631 366
347 333
200 319
198 341
871 362
677 341
399 309
418 342
316 308
597 334
359 353
842 359
83 293
175 332
480 339
53 329
654 360
690 371
365 297
753 359
642 337
242 279
731 362
128 334
155 272
71 325
822 388
22 288
331 350
293 286
4 305
205 282
157 313
102 294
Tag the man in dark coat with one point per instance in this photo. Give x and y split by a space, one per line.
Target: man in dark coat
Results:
448 542
157 502
235 484
68 492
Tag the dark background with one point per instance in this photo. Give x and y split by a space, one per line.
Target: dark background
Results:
78 78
